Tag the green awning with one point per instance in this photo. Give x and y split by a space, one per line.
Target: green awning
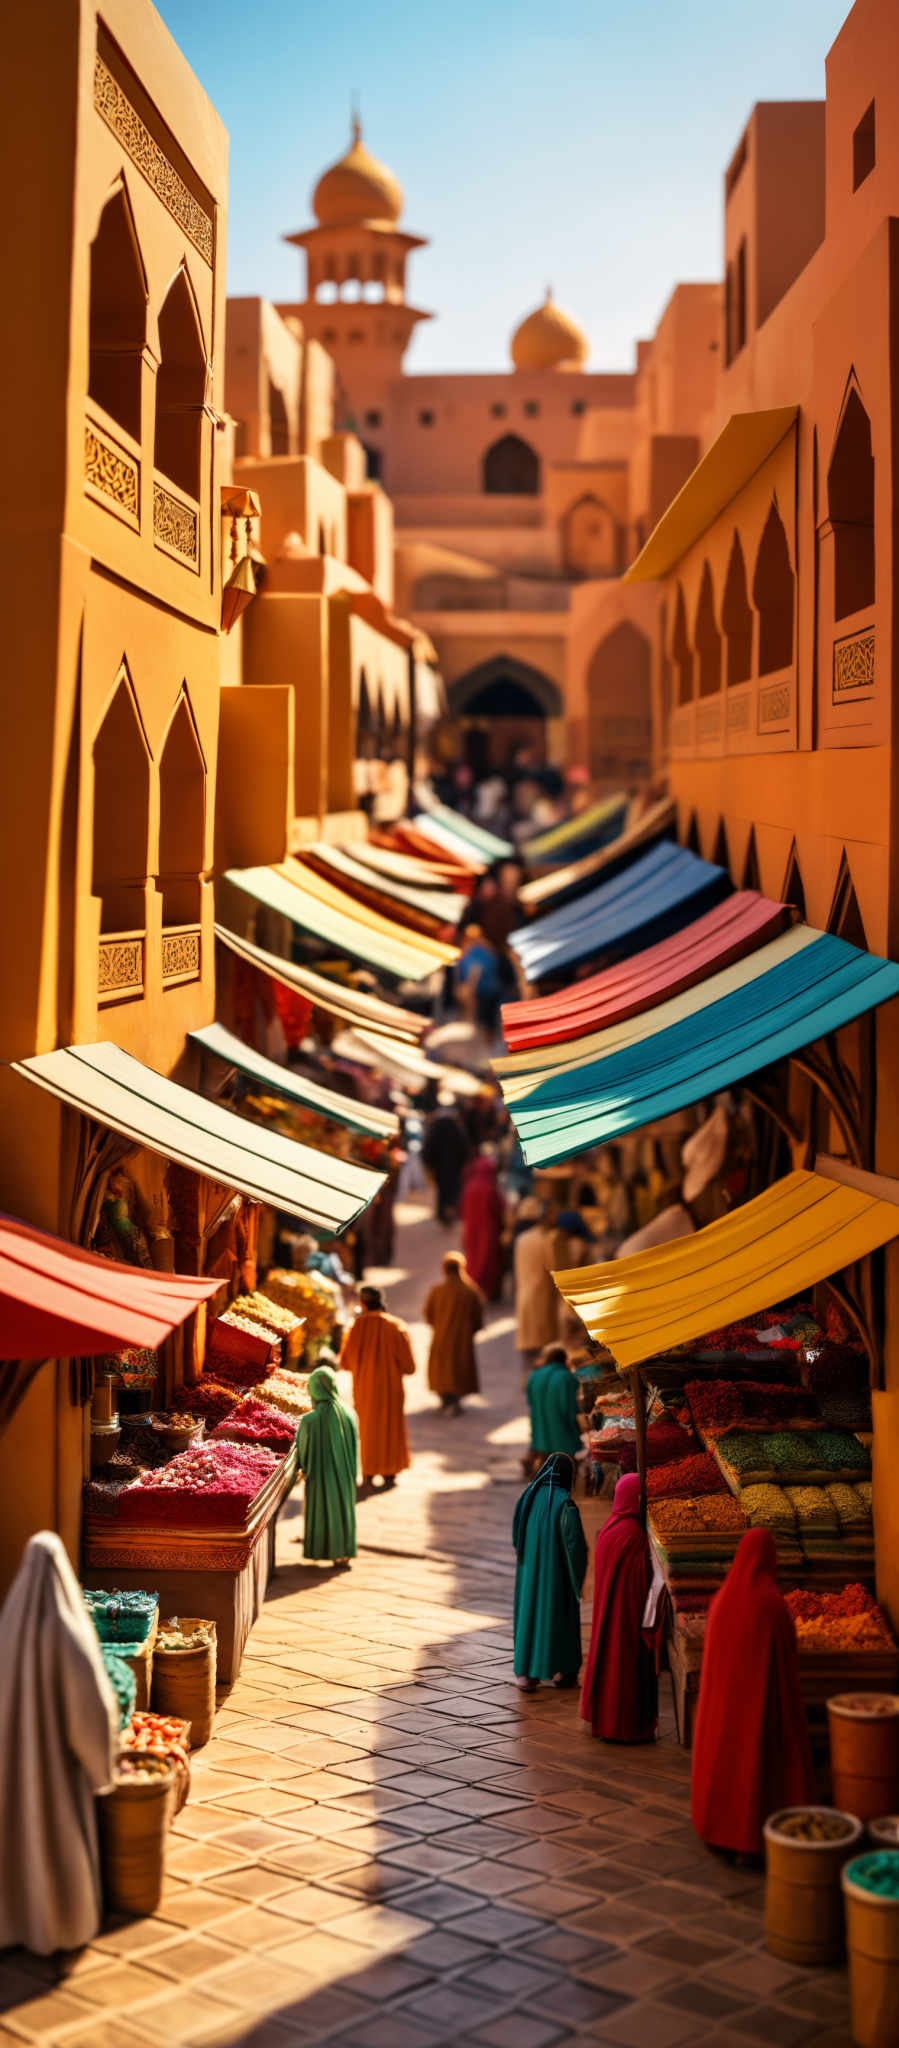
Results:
326 1102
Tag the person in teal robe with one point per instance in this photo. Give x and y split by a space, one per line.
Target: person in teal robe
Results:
551 1550
552 1399
328 1455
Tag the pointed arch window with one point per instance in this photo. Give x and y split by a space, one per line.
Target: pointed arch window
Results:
707 638
681 651
692 839
845 914
182 820
278 425
736 617
720 850
751 872
121 759
118 316
180 389
773 595
511 468
850 503
794 887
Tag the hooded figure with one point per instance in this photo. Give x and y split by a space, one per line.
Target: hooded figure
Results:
60 1725
483 1210
455 1311
751 1748
620 1693
327 1454
552 1399
377 1351
552 1561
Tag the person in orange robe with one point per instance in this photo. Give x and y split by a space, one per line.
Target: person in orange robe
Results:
377 1351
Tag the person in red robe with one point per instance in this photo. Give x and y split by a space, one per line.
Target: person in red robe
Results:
620 1692
751 1748
483 1211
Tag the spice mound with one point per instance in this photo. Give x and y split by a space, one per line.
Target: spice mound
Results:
172 1636
712 1512
848 1620
877 1872
812 1824
255 1423
137 1766
212 1483
684 1477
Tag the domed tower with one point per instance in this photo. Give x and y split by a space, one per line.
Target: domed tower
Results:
356 255
549 340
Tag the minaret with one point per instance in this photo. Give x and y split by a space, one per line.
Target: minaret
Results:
355 302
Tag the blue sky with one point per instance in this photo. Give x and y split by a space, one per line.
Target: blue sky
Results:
585 151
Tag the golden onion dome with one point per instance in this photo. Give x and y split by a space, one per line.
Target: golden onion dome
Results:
357 190
549 340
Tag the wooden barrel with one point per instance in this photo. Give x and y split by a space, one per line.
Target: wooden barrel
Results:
872 1938
803 1904
184 1681
134 1822
864 1752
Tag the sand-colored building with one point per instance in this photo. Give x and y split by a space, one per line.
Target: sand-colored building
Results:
519 497
775 668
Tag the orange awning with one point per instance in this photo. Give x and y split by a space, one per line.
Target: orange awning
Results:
59 1301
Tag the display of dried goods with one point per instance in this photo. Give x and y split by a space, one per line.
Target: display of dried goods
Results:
812 1506
172 1636
121 1678
665 1442
213 1483
157 1731
287 1393
878 1872
696 1474
122 1617
710 1511
722 1403
210 1398
138 1765
260 1308
865 1490
813 1824
140 1445
255 1423
841 1451
847 1620
852 1511
239 1373
768 1507
310 1295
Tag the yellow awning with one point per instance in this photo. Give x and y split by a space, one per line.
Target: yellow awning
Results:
740 449
798 1232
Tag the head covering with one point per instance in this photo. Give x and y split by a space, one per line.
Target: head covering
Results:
552 1559
619 1696
572 1224
750 1707
371 1297
322 1384
453 1262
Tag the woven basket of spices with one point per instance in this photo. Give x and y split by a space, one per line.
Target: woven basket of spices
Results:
134 1819
184 1674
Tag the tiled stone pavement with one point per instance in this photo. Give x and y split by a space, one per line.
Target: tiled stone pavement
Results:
387 1845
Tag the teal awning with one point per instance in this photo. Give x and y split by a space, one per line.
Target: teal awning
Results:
326 1102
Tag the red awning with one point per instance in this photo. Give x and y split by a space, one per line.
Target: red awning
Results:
723 934
58 1301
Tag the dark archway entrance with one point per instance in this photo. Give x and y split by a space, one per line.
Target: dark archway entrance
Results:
502 705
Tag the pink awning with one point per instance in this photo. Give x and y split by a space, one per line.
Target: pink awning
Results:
723 934
58 1301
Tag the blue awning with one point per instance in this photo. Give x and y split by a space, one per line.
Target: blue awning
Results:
815 989
654 897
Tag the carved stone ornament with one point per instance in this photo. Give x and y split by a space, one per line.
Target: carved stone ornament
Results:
853 665
180 954
175 524
121 966
108 469
114 107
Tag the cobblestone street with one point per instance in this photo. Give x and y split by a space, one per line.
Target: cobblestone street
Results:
386 1844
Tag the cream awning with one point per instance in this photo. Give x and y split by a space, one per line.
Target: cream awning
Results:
740 449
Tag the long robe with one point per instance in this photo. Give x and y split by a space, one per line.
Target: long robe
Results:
552 1561
444 1153
552 1399
455 1311
620 1693
751 1748
377 1351
483 1210
60 1724
537 1303
328 1456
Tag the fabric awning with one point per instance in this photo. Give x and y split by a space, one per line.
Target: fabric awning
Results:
740 449
818 984
298 1087
561 885
339 999
462 866
660 893
59 1301
408 1064
584 831
105 1083
798 1232
732 928
487 845
329 915
407 867
444 840
393 896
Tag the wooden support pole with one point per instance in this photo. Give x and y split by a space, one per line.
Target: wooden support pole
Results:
639 1393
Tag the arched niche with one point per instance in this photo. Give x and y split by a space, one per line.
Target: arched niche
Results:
721 850
121 821
511 468
118 315
736 617
773 595
850 504
182 819
692 839
706 637
322 538
619 706
752 877
590 538
180 389
503 704
278 424
793 891
682 652
665 677
845 914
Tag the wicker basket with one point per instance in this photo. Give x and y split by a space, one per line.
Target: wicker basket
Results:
184 1682
134 1822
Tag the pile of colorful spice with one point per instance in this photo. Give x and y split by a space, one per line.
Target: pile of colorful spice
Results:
813 1824
698 1474
848 1620
665 1442
309 1295
852 1511
287 1393
215 1483
210 1398
139 1767
175 1635
813 1509
878 1872
768 1507
259 1308
842 1453
720 1404
255 1423
235 1372
710 1513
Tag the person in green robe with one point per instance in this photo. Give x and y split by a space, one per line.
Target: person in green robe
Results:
551 1550
328 1455
552 1392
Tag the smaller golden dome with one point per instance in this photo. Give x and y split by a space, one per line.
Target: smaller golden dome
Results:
549 340
357 190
